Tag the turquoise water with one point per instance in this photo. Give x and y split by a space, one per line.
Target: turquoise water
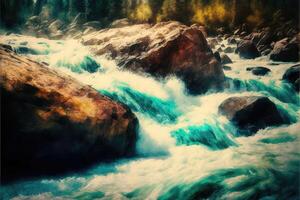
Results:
185 150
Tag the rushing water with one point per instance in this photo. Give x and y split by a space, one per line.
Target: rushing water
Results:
186 150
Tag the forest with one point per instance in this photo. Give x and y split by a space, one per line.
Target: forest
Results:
226 13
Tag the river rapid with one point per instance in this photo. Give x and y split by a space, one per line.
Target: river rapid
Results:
186 149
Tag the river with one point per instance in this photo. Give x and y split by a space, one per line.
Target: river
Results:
186 149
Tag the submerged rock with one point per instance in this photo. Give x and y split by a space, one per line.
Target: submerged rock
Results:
259 71
247 49
229 50
51 123
292 75
251 113
227 68
167 48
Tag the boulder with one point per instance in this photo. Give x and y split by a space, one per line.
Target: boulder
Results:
201 28
285 50
225 59
292 75
231 40
34 20
229 50
212 42
259 71
251 113
55 26
226 68
163 49
246 49
217 56
93 24
51 123
266 52
120 23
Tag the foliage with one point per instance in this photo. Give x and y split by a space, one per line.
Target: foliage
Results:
207 12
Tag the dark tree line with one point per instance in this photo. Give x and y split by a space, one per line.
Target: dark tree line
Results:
208 12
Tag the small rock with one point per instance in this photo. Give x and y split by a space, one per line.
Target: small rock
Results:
266 52
93 24
120 23
217 56
227 68
229 50
231 41
225 59
246 49
259 71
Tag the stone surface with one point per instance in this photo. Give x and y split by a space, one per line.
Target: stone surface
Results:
167 48
285 50
51 123
225 59
247 49
251 113
259 71
292 75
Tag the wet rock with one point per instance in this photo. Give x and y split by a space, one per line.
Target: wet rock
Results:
251 113
243 34
231 40
93 24
258 71
225 59
163 49
285 50
266 52
227 68
217 56
120 23
246 49
6 47
51 123
201 28
89 30
79 19
212 42
292 75
55 26
229 50
34 20
220 49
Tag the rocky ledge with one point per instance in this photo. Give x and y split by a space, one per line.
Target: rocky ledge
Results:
167 48
51 123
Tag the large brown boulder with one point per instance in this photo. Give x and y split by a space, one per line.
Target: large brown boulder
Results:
251 113
167 48
51 123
